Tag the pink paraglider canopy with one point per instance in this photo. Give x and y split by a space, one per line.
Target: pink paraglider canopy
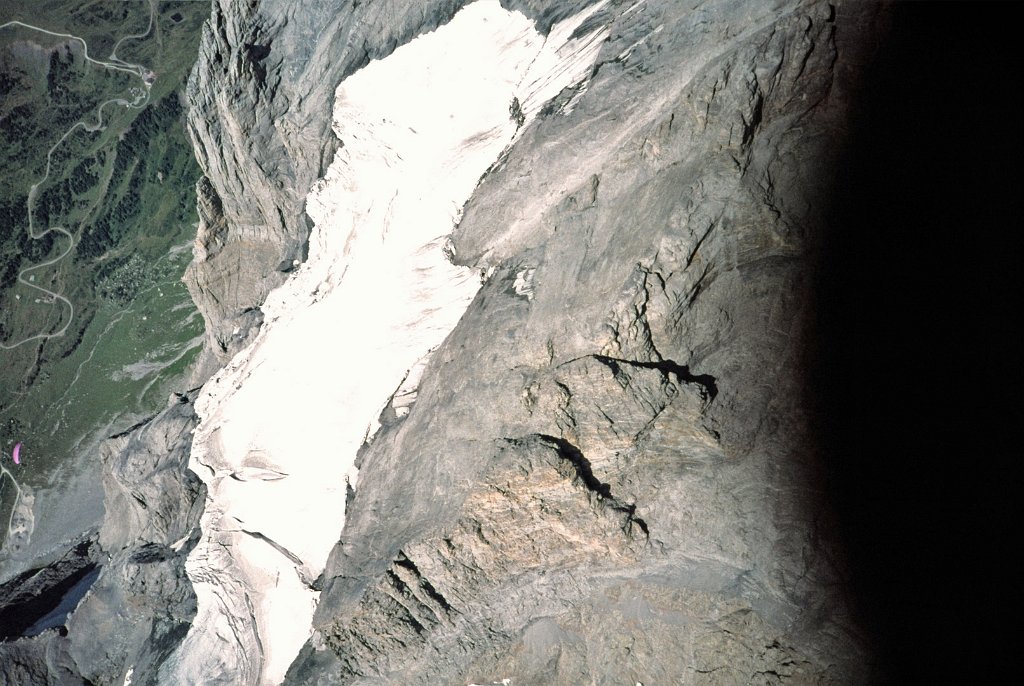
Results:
15 453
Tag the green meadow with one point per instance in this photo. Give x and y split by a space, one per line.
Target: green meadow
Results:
126 194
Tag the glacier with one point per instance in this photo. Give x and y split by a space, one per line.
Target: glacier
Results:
282 423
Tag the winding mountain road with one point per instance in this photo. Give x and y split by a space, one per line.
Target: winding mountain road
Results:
140 101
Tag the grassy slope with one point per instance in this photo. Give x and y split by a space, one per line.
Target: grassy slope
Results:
127 195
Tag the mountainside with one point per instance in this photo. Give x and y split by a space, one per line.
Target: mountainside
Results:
608 457
563 343
606 475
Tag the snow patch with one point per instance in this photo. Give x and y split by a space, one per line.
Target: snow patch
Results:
281 424
563 62
523 284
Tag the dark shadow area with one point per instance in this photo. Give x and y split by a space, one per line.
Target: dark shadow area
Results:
916 373
49 606
58 616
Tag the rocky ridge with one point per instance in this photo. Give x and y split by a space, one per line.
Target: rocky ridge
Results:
142 603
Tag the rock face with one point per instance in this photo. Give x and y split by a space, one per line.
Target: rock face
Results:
139 602
142 603
606 475
42 660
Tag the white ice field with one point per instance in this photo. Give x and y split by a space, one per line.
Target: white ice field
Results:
282 423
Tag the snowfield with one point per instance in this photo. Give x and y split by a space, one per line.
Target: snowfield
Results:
281 424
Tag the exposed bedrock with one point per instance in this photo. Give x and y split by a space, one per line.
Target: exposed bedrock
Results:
607 475
125 588
142 603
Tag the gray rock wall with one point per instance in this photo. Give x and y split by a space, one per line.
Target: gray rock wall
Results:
42 660
142 603
607 475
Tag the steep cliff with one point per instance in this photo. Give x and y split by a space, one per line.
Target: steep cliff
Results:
139 608
606 475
